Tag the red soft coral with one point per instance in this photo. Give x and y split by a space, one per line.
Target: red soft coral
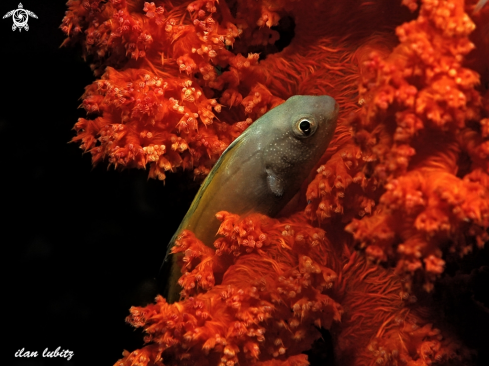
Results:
406 174
158 107
423 116
275 290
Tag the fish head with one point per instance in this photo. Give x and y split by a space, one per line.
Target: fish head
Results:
299 132
312 121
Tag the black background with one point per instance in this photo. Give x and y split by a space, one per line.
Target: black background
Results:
79 245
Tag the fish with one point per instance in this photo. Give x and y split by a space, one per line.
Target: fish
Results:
259 172
480 4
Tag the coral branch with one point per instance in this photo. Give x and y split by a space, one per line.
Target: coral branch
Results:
422 117
273 294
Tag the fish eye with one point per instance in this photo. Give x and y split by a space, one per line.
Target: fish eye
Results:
305 127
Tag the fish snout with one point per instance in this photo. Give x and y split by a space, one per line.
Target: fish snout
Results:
330 107
329 112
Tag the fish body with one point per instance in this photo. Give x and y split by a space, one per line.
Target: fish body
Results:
259 172
480 4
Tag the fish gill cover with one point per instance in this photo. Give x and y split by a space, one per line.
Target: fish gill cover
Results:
405 178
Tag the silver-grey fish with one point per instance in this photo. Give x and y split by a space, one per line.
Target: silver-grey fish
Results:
259 172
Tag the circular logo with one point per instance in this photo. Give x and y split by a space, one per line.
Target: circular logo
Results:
20 17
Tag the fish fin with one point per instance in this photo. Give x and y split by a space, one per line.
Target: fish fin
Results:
167 278
166 267
275 184
162 278
169 272
223 160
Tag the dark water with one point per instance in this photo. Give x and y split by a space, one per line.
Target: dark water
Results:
79 245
